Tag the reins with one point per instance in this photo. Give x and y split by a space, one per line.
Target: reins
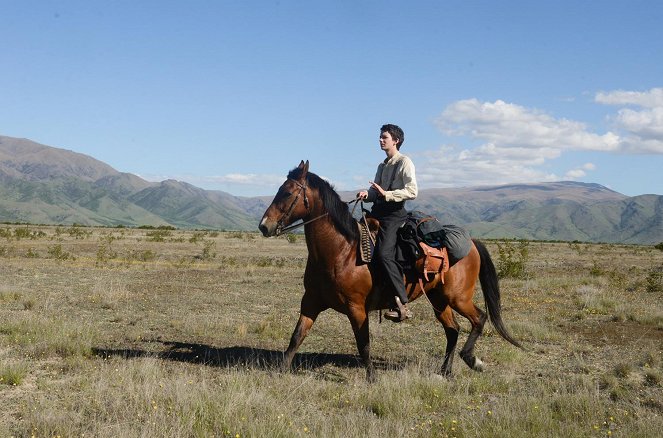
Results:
280 231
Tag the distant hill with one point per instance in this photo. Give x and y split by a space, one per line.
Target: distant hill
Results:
43 184
549 211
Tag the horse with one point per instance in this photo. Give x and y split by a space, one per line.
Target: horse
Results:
336 278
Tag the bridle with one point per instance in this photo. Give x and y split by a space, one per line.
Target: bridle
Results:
280 229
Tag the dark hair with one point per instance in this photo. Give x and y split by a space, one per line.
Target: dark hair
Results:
395 132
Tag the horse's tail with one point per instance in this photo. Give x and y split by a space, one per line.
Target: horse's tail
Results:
491 292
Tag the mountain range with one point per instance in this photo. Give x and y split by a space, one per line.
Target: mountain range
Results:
48 185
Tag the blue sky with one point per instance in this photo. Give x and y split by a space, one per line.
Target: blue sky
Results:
230 95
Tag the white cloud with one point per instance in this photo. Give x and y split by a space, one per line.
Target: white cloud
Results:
448 167
514 143
648 99
646 123
508 126
574 174
579 172
642 127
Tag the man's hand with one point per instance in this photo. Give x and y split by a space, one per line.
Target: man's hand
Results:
362 195
377 187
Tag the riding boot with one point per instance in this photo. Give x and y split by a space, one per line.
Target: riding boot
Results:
400 313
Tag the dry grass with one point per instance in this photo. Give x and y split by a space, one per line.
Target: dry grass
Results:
123 332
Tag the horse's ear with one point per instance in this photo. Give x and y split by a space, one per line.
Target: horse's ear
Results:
303 166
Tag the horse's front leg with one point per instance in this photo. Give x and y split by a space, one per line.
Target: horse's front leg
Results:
359 320
310 309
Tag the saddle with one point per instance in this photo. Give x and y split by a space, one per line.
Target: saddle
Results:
426 260
434 261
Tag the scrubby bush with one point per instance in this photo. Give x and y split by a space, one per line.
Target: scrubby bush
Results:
158 235
654 281
512 258
56 252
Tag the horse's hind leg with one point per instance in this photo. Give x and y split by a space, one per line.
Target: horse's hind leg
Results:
445 315
359 320
451 328
477 318
307 315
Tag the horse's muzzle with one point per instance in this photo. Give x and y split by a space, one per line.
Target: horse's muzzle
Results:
265 229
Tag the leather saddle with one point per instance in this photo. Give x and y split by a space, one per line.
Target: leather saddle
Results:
433 261
429 262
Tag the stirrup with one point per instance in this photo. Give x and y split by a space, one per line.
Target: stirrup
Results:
400 314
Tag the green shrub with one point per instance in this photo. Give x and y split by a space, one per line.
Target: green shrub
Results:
228 261
13 374
512 258
56 252
596 270
105 251
197 237
77 232
141 256
158 235
26 233
234 235
654 280
208 250
6 233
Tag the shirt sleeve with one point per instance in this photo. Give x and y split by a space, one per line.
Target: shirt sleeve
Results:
409 190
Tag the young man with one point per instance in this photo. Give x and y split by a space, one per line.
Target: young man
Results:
394 184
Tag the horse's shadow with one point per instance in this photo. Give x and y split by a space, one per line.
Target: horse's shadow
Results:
240 356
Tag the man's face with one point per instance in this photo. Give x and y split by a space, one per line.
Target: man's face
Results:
387 143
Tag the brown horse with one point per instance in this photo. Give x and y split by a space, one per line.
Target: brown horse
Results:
335 278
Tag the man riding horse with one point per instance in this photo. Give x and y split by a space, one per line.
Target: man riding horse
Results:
394 184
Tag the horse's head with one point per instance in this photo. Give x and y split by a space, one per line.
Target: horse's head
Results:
290 204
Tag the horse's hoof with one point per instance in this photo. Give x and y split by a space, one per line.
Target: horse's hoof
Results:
285 367
478 365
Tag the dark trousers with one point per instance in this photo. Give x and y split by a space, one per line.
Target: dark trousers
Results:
385 249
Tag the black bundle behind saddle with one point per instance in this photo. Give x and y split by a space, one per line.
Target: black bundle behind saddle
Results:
423 237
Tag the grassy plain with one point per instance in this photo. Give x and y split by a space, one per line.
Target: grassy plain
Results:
131 332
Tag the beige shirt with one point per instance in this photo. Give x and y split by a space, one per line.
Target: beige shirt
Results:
396 176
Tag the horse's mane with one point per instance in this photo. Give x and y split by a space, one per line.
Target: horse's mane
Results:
337 209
